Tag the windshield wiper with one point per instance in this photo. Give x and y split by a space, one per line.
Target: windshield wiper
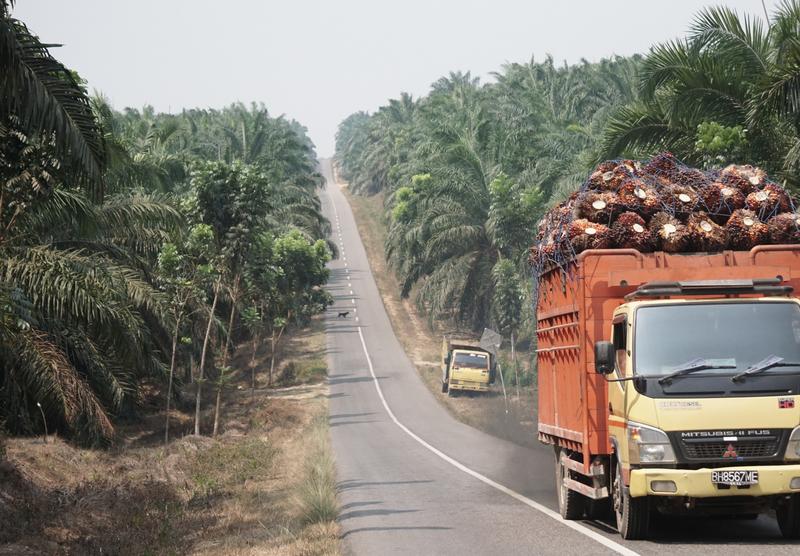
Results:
692 366
769 362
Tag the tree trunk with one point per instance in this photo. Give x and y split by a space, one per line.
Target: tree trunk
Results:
271 358
188 372
514 362
272 352
171 374
203 359
225 350
253 362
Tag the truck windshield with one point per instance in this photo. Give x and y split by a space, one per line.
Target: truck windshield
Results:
472 360
729 335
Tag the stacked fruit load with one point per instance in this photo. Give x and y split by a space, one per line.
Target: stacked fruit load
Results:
663 205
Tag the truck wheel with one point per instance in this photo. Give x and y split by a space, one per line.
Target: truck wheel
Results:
788 515
633 514
571 504
444 388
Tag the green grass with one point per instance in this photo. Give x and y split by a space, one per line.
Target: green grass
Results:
303 372
226 464
317 491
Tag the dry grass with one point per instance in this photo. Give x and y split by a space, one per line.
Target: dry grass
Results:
514 419
318 489
240 493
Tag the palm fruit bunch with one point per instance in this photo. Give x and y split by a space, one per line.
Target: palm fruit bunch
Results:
705 234
630 232
663 205
745 230
784 228
720 200
584 234
669 234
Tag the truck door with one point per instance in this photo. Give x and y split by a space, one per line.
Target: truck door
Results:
616 390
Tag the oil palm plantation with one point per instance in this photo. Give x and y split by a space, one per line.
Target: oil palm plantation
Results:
81 322
731 70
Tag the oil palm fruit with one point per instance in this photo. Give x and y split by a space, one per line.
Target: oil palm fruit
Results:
745 230
668 233
630 232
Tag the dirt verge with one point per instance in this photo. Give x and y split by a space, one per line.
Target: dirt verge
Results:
240 493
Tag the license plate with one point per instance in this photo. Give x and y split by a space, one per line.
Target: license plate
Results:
734 478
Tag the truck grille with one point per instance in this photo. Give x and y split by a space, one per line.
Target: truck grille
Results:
730 446
762 448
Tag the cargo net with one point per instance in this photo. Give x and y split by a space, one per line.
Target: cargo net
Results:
664 205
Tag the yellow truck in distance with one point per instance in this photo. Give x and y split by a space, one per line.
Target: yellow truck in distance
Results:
465 366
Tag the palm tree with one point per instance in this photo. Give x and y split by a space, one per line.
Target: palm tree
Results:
731 70
81 322
46 97
92 322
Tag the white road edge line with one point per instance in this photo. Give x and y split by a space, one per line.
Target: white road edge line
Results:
608 543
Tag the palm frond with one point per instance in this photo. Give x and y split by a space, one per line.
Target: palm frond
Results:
40 91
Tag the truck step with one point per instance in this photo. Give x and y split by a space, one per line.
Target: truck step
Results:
595 493
595 470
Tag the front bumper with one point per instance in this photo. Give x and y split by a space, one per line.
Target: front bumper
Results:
468 385
696 483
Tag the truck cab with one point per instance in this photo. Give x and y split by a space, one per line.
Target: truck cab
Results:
703 412
465 366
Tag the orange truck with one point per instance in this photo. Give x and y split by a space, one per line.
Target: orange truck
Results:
669 384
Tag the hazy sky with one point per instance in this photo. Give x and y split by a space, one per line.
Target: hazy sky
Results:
318 61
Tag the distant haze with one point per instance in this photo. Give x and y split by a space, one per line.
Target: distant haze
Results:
318 61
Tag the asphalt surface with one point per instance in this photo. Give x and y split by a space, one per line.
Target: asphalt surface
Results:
413 480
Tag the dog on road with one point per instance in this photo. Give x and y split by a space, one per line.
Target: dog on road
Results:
342 314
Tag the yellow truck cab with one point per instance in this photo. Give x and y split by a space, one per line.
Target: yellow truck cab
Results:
465 366
704 408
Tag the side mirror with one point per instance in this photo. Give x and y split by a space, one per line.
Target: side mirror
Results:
446 359
604 356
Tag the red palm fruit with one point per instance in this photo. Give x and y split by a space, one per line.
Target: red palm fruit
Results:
680 200
664 164
630 232
721 200
691 177
747 178
768 201
602 175
745 230
668 233
784 228
610 179
636 196
600 207
705 234
584 235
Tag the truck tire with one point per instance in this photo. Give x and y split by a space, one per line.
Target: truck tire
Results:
444 388
600 510
633 514
788 515
571 504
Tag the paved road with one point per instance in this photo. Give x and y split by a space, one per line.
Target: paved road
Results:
413 480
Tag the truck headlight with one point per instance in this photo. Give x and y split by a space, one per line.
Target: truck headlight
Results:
793 448
648 445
